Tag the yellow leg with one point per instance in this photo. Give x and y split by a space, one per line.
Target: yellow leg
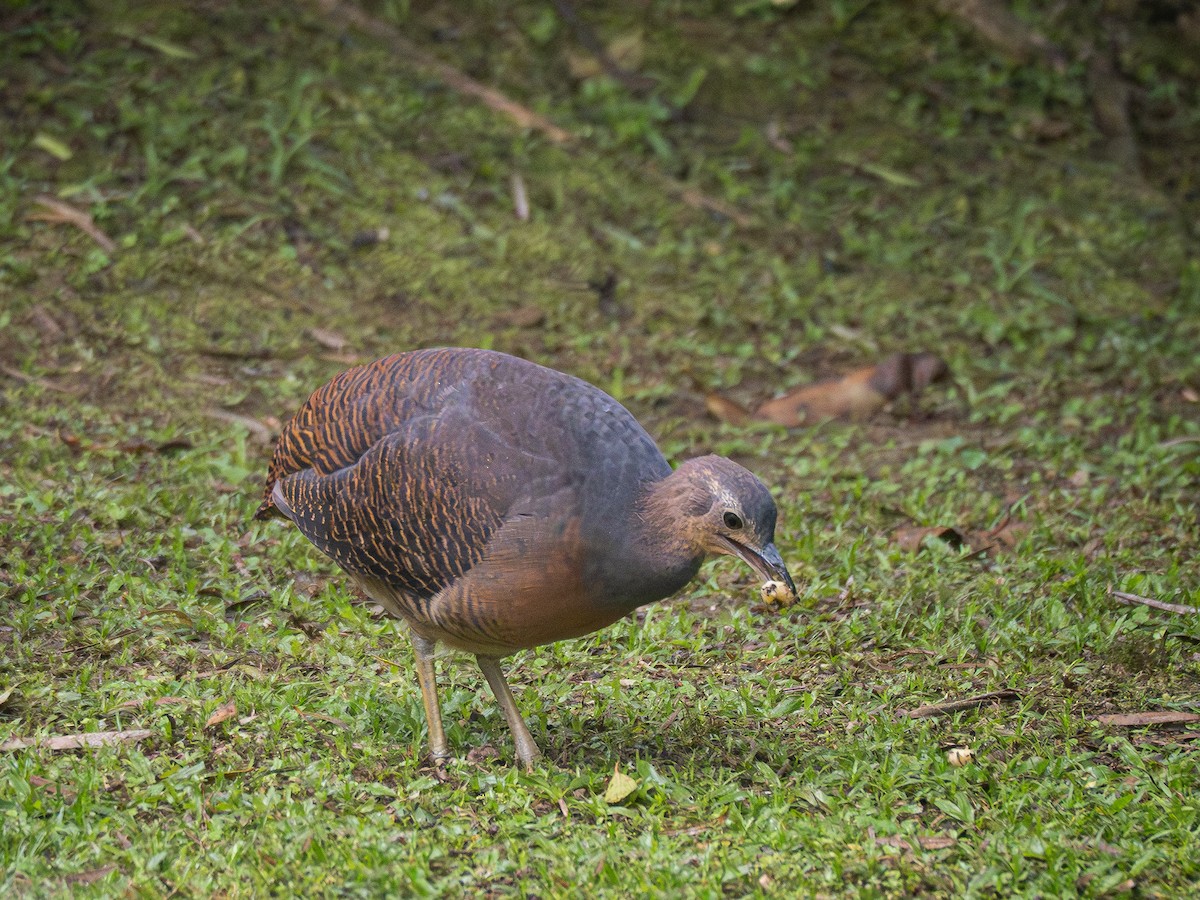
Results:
527 749
439 749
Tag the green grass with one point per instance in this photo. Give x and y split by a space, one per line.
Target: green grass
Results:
233 152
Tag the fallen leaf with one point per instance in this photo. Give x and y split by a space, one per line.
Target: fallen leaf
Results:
912 537
857 395
51 788
78 741
221 714
1153 717
482 754
619 787
1008 535
727 410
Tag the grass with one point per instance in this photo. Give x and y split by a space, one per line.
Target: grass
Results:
234 153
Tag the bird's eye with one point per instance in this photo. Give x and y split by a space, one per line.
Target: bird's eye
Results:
733 520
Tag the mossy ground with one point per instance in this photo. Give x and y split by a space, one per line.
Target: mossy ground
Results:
907 194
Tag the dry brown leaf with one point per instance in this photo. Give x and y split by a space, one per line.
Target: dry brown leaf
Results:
1007 535
78 741
858 395
482 754
912 537
51 788
1152 717
222 714
726 410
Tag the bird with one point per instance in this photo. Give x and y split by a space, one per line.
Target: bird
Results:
494 505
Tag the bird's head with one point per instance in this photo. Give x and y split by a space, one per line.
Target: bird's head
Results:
721 508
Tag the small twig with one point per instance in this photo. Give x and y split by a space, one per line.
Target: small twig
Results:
1135 600
57 212
952 706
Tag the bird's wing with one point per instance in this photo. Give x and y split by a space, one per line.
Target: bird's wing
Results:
419 508
346 417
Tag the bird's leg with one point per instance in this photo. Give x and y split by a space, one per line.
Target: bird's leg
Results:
527 749
423 648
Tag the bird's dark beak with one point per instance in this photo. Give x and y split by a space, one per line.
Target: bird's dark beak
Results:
766 561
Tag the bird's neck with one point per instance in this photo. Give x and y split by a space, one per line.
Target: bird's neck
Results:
655 559
667 511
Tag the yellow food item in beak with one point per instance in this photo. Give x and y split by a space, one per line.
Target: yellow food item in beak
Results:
776 593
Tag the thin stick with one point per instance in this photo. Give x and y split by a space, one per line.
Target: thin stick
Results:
1135 600
416 58
953 706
